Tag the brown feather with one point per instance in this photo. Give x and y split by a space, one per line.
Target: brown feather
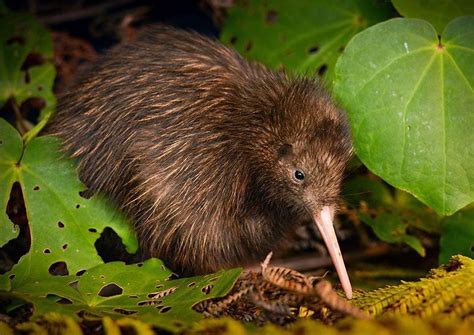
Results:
189 139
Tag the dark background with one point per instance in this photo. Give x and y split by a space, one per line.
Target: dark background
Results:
99 21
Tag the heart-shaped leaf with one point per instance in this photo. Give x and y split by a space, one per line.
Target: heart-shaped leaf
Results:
304 36
410 102
437 12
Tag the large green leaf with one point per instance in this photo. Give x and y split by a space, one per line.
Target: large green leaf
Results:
457 235
437 12
10 153
410 101
143 291
304 36
64 226
20 36
391 215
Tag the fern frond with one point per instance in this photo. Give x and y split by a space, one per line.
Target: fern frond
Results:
446 292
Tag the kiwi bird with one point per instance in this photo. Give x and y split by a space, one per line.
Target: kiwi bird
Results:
215 159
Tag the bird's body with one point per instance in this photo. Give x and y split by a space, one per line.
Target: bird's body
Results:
214 159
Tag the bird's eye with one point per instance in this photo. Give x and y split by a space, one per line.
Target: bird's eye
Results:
299 175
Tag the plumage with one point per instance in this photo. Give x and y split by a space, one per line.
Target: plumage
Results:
199 146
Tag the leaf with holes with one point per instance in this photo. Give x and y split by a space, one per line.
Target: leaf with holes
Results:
457 234
410 104
391 215
437 12
10 152
63 225
306 37
26 68
143 291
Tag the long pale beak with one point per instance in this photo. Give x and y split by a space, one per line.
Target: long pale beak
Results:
324 223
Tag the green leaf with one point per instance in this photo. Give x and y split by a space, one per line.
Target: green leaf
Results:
389 228
143 291
391 215
63 225
10 153
22 36
304 36
437 12
457 234
410 102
